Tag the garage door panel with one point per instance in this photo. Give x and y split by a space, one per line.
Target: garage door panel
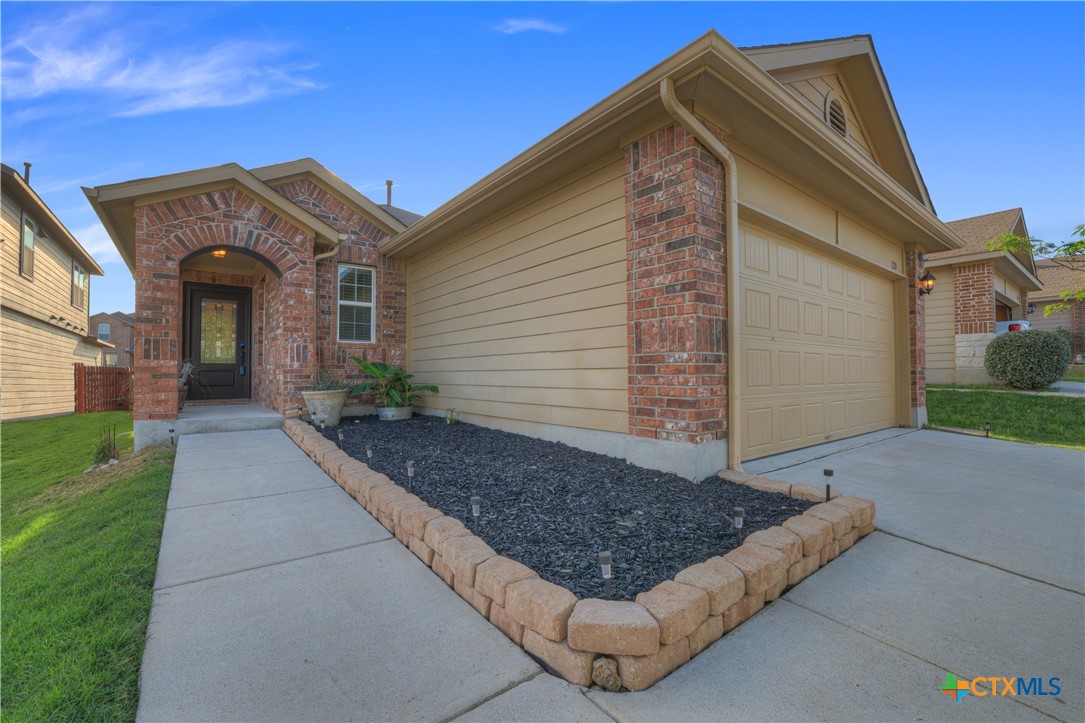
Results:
818 340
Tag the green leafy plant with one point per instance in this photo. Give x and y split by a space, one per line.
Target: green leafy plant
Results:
392 385
326 381
451 416
1031 359
107 445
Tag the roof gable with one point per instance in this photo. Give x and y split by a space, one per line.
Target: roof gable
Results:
848 67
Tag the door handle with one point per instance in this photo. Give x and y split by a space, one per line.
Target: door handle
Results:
241 367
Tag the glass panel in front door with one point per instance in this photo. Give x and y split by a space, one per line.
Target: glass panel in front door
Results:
218 331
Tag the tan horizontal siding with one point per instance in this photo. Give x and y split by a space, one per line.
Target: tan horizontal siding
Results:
36 374
938 316
49 292
1058 320
523 318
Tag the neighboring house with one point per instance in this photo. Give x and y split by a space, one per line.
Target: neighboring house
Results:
44 297
119 329
1058 278
716 263
977 288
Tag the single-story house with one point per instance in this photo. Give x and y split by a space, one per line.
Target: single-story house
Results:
979 288
1058 278
119 329
44 298
715 263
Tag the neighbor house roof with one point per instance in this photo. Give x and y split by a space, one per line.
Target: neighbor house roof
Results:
976 231
26 198
405 217
1057 278
127 318
115 203
734 92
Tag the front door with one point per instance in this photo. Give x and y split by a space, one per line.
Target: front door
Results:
217 341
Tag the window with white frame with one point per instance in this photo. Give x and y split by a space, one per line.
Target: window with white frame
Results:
357 309
79 286
103 331
26 248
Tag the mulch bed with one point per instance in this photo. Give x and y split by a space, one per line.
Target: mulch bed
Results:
555 508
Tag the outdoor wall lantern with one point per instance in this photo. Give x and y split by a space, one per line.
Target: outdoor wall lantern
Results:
218 253
926 283
1032 308
605 561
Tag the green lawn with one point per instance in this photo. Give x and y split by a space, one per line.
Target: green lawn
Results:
1075 374
1056 421
78 563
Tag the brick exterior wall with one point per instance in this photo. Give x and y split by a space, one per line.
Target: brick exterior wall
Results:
1077 327
676 298
917 335
390 284
121 336
168 232
974 298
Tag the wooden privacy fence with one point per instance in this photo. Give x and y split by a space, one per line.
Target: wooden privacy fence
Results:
102 389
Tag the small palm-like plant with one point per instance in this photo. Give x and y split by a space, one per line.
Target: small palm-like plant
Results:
392 385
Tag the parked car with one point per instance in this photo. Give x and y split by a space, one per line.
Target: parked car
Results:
1018 325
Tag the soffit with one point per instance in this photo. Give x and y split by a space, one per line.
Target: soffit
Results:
27 199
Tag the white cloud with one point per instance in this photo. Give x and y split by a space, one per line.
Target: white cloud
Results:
512 26
90 52
97 243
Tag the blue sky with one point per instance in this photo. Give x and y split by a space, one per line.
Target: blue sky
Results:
436 95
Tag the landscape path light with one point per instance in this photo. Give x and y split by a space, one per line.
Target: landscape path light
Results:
605 562
410 475
739 520
476 505
828 487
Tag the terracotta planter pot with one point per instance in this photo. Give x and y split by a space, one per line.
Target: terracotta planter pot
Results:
391 414
326 405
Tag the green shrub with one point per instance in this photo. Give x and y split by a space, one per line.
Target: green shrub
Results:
1031 359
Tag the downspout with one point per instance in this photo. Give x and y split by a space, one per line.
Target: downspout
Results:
730 200
316 309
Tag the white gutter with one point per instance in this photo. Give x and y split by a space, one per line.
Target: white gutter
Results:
316 309
730 201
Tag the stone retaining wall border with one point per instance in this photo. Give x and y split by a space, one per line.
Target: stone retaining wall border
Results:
615 644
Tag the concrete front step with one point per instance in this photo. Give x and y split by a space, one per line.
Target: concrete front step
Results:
206 419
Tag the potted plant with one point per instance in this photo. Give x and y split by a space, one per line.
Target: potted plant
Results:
326 399
395 392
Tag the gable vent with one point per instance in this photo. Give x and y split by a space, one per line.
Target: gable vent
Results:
834 114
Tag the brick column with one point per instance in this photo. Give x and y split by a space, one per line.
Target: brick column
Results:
917 336
676 295
974 319
1077 328
1023 293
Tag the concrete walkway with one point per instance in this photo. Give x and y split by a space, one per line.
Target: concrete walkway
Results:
278 598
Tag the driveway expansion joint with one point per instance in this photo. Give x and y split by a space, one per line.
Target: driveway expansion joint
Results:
255 497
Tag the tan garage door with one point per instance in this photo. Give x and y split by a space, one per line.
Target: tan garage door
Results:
817 339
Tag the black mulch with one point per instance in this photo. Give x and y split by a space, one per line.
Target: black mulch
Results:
555 508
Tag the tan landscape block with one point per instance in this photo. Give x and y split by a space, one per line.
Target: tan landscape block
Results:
838 518
323 451
421 550
862 510
401 534
572 665
803 568
504 622
540 606
474 598
386 520
415 519
405 503
735 476
463 555
613 627
866 530
494 576
351 479
810 493
640 672
380 498
707 633
763 567
769 485
678 608
334 460
814 533
371 484
777 590
310 442
443 571
723 582
780 539
440 529
846 541
742 611
829 552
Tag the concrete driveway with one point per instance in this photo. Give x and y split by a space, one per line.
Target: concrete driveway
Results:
279 598
977 569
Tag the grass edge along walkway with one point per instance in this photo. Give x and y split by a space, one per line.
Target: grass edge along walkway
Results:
79 553
1049 420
